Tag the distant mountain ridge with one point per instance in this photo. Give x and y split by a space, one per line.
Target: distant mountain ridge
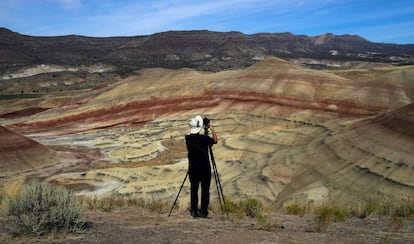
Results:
199 49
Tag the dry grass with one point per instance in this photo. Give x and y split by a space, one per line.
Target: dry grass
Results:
296 209
251 207
13 186
397 210
11 189
381 206
326 214
107 204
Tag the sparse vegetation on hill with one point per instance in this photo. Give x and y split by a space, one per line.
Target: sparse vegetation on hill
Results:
19 96
202 50
46 82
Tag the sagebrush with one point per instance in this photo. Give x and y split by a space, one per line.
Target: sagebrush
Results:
252 207
42 208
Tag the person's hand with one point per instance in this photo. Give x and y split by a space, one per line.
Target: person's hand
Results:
213 131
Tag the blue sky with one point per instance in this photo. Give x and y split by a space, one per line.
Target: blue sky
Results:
389 21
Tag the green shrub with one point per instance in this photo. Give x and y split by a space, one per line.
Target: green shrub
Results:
252 207
369 209
332 213
364 209
405 208
233 208
383 207
42 208
325 215
296 209
263 223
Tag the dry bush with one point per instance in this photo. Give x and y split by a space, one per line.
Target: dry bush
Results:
404 208
383 207
265 224
327 214
233 208
157 206
364 209
252 207
296 209
110 203
41 208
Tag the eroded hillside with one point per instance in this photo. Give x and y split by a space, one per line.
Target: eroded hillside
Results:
286 133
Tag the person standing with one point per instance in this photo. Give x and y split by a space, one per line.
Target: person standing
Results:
199 168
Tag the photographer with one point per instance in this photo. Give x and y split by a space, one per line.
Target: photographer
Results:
199 168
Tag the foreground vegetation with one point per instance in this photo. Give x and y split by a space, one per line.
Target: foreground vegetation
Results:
42 208
322 216
396 211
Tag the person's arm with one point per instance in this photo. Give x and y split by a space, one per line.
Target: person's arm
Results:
213 132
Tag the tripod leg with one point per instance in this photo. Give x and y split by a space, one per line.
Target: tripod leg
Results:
218 183
219 190
178 194
217 186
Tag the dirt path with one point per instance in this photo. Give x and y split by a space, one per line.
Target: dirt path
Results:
141 226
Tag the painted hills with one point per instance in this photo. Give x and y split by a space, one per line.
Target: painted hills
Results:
20 154
286 133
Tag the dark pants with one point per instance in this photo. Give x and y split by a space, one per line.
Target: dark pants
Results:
203 179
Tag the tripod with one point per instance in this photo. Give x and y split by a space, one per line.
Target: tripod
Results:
218 184
216 177
172 207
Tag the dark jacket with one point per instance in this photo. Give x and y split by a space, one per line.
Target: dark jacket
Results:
198 149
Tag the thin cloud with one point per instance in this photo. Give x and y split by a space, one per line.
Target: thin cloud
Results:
71 4
157 17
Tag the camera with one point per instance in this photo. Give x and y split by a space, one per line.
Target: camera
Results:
206 122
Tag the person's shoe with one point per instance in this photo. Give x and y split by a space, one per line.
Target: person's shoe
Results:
194 213
203 214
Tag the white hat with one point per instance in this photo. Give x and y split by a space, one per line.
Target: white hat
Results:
195 124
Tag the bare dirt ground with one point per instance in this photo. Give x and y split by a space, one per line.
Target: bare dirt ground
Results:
142 226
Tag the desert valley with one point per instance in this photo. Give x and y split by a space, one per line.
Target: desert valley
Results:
292 128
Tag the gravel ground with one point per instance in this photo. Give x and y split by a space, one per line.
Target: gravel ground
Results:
142 226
